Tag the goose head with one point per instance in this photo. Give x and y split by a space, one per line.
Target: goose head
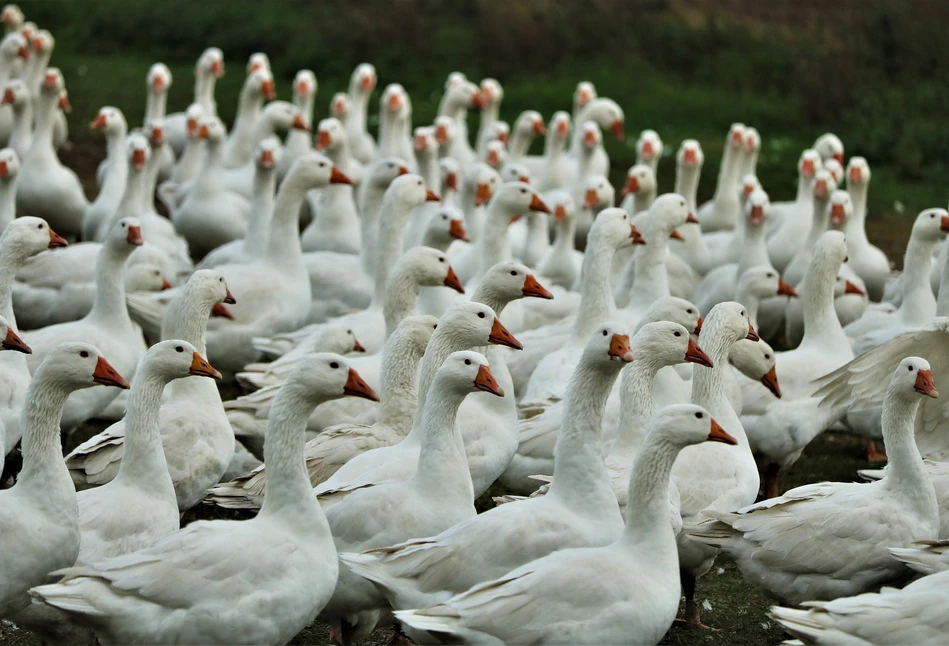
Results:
509 281
125 236
10 340
158 79
12 18
314 170
363 80
429 267
584 93
305 86
666 214
395 102
840 209
648 147
144 277
449 170
9 165
913 377
384 170
757 207
176 359
690 154
516 172
639 180
193 118
683 425
424 142
495 153
558 132
858 172
756 360
829 146
607 114
808 163
529 124
74 366
154 132
15 94
761 282
598 193
14 46
481 181
609 347
471 325
110 121
283 115
257 61
260 83
666 343
409 191
931 225
467 372
321 376
340 106
614 229
444 133
138 151
268 154
27 236
210 63
445 225
513 199
674 310
491 95
211 129
730 321
330 135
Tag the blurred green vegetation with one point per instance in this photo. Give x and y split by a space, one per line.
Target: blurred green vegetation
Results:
872 71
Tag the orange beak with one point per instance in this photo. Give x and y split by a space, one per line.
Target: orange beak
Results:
784 289
617 129
267 90
356 387
8 97
631 186
560 211
925 384
591 199
695 354
850 288
266 158
451 280
56 240
483 194
99 122
138 159
299 124
534 289
752 335
165 284
500 336
106 375
134 236
337 177
431 196
718 434
539 128
221 312
619 348
485 381
15 343
201 368
538 205
323 140
770 381
456 230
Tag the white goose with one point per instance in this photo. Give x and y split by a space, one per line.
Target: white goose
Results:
286 550
583 595
194 429
828 540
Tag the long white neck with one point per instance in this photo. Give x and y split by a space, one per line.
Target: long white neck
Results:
144 458
109 308
283 244
647 509
919 304
399 383
821 325
596 294
637 406
856 224
905 472
442 462
395 212
580 475
261 212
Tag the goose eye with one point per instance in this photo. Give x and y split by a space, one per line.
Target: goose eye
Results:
480 315
513 273
179 349
334 365
467 362
84 354
698 416
677 333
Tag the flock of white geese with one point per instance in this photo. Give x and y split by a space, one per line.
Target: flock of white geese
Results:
603 367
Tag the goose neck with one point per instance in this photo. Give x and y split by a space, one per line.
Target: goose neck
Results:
596 295
261 212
